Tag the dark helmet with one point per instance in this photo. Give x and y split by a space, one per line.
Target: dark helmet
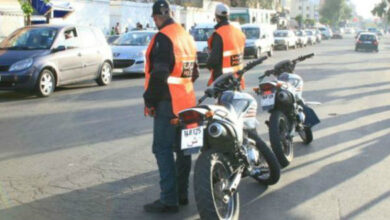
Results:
161 7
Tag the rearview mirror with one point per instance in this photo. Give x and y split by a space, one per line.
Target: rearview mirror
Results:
59 48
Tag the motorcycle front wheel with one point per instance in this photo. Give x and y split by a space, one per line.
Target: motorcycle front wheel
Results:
306 135
268 164
281 143
211 177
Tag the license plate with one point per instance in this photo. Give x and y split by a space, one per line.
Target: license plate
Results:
367 42
191 138
267 100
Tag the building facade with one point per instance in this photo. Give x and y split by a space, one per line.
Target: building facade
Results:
309 9
11 17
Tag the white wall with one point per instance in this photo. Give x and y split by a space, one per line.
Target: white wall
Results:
11 17
308 8
88 13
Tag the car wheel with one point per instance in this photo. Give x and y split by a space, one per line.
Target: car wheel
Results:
271 51
45 83
258 53
105 75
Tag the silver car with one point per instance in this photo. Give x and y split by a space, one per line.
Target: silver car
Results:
129 51
40 58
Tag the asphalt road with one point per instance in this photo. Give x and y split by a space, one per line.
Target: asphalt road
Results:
85 152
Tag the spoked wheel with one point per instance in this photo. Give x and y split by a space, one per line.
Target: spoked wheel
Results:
105 75
45 84
211 178
267 168
306 135
281 142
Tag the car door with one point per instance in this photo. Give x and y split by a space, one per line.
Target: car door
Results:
69 58
91 53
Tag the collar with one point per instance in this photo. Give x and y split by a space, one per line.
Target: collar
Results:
167 22
222 23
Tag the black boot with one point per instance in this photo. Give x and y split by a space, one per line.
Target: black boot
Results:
159 207
183 200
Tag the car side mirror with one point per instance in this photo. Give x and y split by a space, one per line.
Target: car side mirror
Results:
58 49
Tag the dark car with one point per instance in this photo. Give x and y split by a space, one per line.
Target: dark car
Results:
367 41
40 58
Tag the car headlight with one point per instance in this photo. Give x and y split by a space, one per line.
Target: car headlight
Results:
22 65
141 54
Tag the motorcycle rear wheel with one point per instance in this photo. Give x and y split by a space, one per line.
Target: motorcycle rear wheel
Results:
281 144
211 175
306 135
268 162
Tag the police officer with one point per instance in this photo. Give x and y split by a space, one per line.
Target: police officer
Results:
169 73
226 46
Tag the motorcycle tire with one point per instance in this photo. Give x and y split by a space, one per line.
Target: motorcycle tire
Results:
270 160
306 135
278 131
206 184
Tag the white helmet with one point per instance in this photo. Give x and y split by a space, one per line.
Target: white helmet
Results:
222 10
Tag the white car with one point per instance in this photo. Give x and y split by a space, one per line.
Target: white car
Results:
311 37
285 39
301 37
326 33
201 33
129 51
258 40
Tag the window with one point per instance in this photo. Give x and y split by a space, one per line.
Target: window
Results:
69 39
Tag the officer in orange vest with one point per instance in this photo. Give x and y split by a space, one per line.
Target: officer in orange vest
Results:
170 70
226 46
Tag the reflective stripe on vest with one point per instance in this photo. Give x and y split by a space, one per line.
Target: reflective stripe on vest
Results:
180 79
233 41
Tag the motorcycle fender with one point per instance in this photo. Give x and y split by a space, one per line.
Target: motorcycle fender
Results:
311 117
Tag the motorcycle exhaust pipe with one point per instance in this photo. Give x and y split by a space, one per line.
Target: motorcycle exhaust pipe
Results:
216 130
283 97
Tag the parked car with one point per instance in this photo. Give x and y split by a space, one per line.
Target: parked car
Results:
312 39
43 57
367 41
112 38
326 33
258 40
301 38
337 35
201 34
129 51
318 35
285 39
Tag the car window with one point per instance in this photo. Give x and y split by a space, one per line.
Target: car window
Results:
280 34
30 39
69 39
202 34
88 38
135 39
251 33
366 37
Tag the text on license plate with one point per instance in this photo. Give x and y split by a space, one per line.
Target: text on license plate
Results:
192 138
267 100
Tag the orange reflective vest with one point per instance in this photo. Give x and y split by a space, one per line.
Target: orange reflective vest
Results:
233 41
180 79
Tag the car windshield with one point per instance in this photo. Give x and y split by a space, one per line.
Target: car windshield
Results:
134 39
299 33
367 37
251 33
30 39
202 34
280 34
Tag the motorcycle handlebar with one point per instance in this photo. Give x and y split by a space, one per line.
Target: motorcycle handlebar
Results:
302 58
251 65
202 98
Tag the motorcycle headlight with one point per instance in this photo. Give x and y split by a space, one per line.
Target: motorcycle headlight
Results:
22 65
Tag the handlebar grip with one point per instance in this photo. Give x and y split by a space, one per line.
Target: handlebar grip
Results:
202 99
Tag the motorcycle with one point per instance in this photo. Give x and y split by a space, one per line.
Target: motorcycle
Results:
282 98
231 149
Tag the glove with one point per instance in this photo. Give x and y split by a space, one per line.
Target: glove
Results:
149 111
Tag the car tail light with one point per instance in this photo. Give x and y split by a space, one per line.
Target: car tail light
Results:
190 117
359 42
375 42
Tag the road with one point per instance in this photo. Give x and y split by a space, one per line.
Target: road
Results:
85 152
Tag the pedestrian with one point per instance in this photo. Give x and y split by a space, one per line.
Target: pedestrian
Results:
117 29
126 30
112 31
170 71
226 46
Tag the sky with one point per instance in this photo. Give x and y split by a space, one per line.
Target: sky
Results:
364 7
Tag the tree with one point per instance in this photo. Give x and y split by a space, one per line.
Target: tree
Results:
382 10
310 22
334 11
299 19
28 10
